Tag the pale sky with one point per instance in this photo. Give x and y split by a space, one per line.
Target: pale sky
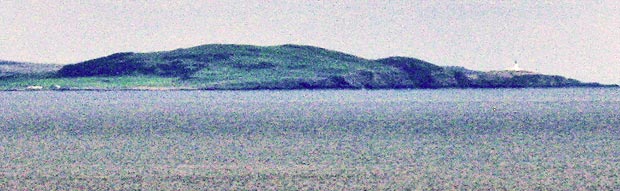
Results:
576 39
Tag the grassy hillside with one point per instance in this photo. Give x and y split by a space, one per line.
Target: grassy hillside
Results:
240 67
196 62
225 66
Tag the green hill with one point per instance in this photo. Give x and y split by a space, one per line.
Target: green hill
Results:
238 67
224 66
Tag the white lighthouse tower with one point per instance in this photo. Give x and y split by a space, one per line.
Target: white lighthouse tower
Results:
515 67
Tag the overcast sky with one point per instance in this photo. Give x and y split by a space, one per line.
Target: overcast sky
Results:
578 39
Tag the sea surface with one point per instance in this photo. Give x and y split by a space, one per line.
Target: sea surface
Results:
307 139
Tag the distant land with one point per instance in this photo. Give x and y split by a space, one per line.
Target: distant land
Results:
9 68
247 67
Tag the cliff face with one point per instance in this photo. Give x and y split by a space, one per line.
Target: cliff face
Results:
300 67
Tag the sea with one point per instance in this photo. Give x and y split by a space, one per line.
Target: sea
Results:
552 138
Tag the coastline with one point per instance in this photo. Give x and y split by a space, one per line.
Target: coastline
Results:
141 88
148 88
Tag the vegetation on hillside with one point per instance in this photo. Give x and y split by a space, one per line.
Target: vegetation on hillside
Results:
225 66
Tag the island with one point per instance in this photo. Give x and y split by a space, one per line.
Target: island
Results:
248 67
